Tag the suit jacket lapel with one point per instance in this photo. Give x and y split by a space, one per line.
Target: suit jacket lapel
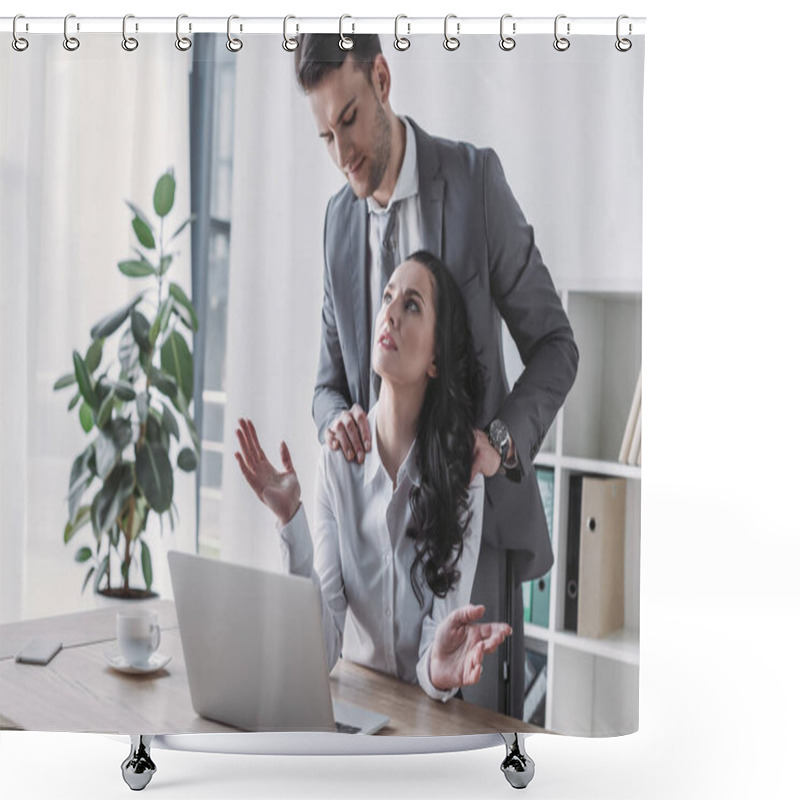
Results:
357 272
431 191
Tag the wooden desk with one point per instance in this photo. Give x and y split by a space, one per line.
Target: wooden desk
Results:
77 691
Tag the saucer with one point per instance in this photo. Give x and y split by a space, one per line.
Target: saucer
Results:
115 659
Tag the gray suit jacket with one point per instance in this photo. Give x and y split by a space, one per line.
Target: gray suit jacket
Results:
472 222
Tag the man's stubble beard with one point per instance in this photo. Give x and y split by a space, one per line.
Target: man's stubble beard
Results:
383 147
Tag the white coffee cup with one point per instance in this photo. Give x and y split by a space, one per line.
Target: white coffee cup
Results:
138 635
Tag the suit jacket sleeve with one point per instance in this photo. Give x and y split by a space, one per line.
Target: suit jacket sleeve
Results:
331 394
523 292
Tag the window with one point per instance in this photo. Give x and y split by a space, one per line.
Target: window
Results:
211 120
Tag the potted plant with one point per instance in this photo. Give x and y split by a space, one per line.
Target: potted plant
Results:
132 404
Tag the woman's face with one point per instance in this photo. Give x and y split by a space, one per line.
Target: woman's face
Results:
404 349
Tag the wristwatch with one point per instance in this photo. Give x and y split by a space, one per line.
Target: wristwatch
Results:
500 439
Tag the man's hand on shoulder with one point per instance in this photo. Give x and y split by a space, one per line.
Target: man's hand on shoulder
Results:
350 433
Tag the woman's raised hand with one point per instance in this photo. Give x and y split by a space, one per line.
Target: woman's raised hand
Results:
280 491
461 643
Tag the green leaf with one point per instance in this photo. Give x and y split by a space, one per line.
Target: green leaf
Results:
187 460
140 327
101 571
113 535
137 212
84 380
147 565
143 233
164 195
160 322
94 355
64 381
170 424
84 554
112 497
176 360
164 265
80 477
86 579
86 417
136 269
182 299
183 225
106 407
75 400
110 444
166 384
82 518
128 351
154 475
109 324
124 391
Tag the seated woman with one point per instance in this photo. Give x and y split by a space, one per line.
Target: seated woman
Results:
396 538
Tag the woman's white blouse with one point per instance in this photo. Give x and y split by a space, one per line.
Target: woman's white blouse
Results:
361 559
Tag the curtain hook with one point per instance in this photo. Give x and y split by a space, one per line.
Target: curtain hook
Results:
128 42
345 42
561 43
507 42
71 43
233 44
623 45
18 42
451 42
289 42
183 43
400 42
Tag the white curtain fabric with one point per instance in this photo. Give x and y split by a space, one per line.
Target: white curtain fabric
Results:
560 123
81 132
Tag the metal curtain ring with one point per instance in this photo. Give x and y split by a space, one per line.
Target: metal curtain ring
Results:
128 42
345 42
18 42
289 43
70 42
561 43
451 42
233 44
400 42
183 43
623 45
507 42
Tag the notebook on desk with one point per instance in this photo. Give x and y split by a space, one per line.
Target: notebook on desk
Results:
254 649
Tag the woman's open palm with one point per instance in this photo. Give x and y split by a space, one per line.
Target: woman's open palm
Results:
280 491
460 644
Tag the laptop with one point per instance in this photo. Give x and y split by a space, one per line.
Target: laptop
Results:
254 649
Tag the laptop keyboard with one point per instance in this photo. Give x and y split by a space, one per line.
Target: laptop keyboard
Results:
341 727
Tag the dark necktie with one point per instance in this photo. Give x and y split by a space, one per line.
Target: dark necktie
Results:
389 252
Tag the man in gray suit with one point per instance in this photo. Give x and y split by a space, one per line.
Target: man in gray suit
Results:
407 191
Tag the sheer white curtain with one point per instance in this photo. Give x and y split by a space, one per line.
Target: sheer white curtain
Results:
553 118
81 132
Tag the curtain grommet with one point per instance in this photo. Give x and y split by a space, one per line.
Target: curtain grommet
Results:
561 43
71 43
401 43
19 43
623 44
290 44
183 43
507 43
451 43
233 44
345 42
129 43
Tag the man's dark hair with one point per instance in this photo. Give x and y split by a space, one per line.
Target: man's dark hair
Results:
319 53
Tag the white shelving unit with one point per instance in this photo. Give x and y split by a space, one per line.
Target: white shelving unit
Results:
593 684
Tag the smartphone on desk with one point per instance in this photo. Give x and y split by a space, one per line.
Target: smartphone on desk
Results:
38 651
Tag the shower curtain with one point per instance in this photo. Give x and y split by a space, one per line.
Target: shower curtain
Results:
106 152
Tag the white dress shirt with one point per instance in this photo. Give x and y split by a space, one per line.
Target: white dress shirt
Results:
361 559
406 197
